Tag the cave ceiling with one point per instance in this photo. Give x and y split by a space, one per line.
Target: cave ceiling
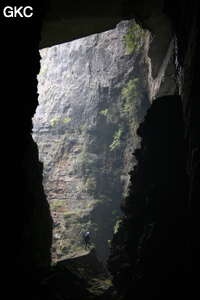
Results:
69 20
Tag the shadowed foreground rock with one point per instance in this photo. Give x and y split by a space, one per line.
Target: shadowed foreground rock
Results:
79 276
148 250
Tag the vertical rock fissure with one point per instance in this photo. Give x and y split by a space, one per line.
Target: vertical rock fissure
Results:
93 93
92 96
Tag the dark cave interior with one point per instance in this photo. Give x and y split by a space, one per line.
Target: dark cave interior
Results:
164 250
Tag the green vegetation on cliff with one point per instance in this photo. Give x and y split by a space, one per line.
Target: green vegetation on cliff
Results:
134 38
131 97
85 134
117 137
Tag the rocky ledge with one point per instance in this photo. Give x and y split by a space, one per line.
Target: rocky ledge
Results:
79 276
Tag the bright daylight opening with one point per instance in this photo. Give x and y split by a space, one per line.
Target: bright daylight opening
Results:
92 96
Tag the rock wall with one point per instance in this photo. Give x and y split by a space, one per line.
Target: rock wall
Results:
187 33
157 241
26 222
81 108
86 132
75 126
20 64
152 234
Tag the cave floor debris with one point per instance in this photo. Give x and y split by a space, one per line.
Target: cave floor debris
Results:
80 277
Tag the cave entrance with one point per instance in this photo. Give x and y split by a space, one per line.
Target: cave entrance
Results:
92 96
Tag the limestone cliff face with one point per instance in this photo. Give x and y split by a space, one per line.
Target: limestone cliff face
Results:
85 127
80 86
19 68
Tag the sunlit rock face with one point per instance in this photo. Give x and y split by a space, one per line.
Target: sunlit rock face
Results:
85 128
80 110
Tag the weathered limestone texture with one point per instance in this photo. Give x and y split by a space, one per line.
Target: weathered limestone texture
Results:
81 107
